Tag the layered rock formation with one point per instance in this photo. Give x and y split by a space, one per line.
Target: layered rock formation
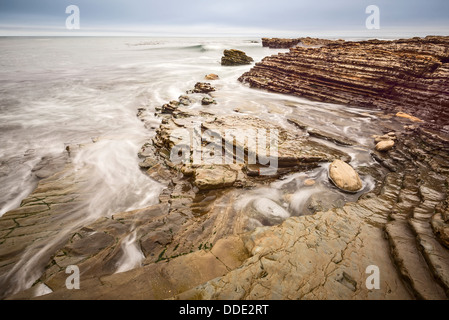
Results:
404 75
325 256
196 243
281 43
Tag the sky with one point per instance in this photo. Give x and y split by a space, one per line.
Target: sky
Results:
227 17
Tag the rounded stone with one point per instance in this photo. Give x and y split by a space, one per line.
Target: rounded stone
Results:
385 145
344 176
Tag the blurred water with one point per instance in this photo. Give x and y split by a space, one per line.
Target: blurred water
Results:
56 92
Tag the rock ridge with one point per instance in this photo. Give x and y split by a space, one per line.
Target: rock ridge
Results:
409 75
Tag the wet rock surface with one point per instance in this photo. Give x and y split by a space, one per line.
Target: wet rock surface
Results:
325 256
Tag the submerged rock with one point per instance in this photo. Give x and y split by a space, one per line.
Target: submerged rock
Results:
344 176
235 57
309 182
270 210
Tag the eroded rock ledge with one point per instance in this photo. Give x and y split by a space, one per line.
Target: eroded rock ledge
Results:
280 43
410 75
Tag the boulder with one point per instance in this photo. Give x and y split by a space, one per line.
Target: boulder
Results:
235 58
203 87
344 176
385 145
207 101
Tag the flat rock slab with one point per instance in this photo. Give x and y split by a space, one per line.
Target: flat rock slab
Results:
324 256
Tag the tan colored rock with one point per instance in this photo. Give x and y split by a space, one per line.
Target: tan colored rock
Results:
324 256
211 76
214 177
385 145
344 176
407 116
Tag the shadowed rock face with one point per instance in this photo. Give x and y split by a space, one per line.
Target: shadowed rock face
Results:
405 75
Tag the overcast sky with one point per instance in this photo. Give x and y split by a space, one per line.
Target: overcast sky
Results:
30 17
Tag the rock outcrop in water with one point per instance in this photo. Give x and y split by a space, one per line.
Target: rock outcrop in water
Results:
235 57
409 75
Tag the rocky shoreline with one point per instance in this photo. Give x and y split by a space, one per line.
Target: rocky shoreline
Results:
197 244
410 75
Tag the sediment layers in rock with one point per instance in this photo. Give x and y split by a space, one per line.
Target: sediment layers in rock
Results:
196 244
282 43
409 75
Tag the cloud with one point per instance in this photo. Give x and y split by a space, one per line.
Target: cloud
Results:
280 15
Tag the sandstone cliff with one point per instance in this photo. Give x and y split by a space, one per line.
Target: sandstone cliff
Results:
405 75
